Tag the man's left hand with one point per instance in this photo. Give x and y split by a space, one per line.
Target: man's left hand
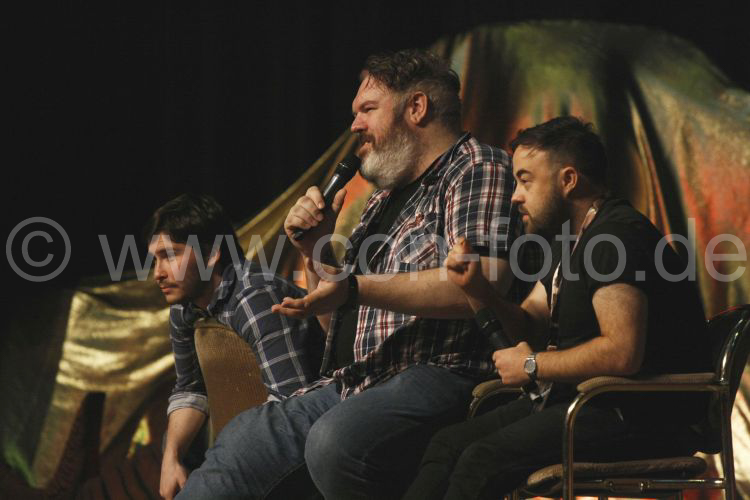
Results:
327 297
509 363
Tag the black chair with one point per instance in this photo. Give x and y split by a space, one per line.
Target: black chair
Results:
656 477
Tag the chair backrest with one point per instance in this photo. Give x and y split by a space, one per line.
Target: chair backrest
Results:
731 360
230 372
730 334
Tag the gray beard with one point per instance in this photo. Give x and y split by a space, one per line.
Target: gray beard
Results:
389 165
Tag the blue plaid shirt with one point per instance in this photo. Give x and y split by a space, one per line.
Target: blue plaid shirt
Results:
288 350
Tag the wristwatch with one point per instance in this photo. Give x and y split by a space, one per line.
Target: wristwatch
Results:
529 366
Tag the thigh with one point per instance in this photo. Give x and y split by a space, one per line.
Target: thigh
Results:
417 397
448 444
374 440
499 461
259 447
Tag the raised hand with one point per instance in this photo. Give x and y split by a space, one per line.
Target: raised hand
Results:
465 270
311 214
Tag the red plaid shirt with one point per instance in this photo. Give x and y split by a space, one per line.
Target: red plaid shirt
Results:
465 193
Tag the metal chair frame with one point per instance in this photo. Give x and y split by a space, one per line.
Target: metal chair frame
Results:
719 383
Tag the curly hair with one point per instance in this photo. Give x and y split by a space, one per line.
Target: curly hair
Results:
413 70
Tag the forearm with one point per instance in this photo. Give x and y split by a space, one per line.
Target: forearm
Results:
596 357
184 424
426 294
518 325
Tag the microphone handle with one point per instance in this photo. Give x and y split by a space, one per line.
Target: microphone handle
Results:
499 341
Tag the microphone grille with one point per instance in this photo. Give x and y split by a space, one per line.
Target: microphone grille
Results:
348 167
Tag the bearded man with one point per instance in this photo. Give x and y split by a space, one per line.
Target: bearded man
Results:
611 302
402 352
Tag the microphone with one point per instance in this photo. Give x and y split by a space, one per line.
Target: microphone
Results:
344 172
490 327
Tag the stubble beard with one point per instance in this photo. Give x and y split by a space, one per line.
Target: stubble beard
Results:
390 164
548 222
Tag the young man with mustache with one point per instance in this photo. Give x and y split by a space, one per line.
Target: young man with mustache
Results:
402 352
182 237
607 308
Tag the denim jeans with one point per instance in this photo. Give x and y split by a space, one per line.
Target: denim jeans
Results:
367 446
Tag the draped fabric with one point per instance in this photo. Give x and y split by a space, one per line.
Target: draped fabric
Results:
677 134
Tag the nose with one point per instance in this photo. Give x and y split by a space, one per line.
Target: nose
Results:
516 198
357 124
159 272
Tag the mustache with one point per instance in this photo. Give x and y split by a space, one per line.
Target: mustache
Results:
366 138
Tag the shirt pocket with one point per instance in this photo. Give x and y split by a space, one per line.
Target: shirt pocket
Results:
422 244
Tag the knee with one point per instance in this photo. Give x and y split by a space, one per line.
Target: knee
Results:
475 457
444 447
326 448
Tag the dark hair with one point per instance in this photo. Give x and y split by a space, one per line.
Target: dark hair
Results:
568 140
414 69
199 215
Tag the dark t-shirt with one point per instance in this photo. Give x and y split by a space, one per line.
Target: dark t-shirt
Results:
676 339
344 351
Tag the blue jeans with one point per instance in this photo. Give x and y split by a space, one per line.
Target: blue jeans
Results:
367 446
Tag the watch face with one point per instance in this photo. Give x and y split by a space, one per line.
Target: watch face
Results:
529 366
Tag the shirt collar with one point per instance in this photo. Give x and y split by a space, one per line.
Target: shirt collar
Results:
436 170
228 279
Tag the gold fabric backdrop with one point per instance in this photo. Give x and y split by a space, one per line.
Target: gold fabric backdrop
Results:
677 132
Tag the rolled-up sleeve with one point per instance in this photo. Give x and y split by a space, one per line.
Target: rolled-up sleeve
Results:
189 390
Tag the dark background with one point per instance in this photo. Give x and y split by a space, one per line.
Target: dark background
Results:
117 107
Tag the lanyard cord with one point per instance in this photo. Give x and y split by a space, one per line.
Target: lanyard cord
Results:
557 278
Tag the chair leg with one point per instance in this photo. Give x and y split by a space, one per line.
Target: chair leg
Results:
727 453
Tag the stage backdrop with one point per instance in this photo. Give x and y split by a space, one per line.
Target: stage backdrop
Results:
676 130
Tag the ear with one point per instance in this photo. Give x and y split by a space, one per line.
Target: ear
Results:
568 177
416 108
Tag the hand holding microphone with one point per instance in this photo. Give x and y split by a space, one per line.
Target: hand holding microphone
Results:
314 214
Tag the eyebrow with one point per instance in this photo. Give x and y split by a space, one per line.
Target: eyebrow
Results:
521 171
362 105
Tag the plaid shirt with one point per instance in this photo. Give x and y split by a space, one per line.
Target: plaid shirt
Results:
284 347
465 193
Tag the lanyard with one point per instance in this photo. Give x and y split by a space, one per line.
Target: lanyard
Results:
557 278
540 396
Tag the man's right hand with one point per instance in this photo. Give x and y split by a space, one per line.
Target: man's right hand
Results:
311 214
173 477
464 270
